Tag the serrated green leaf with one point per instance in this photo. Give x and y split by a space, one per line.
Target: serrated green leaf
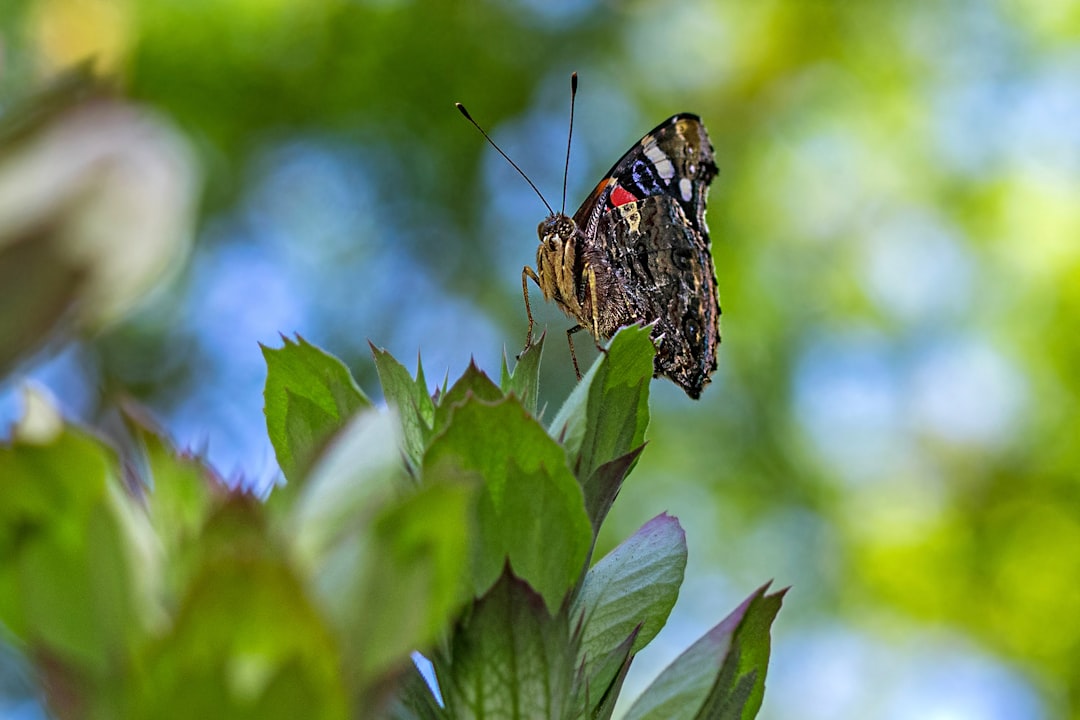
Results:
509 658
472 383
309 395
410 397
722 675
524 381
632 589
427 406
530 508
606 415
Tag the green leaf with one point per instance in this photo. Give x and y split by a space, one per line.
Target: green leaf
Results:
598 684
530 508
309 395
722 675
524 381
606 414
509 658
353 480
389 561
632 589
410 579
748 662
247 641
410 397
605 417
181 492
472 383
78 563
604 484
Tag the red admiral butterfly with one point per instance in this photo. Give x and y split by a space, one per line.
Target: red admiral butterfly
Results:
637 250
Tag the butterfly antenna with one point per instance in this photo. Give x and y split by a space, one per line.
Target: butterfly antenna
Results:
569 137
476 125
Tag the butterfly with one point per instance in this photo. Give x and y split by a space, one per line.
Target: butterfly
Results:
638 250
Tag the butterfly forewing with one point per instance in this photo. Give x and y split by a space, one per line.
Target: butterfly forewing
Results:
644 234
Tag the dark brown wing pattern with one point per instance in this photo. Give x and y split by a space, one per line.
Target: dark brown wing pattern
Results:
643 231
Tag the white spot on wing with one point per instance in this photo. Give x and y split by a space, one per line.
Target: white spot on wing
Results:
660 161
686 189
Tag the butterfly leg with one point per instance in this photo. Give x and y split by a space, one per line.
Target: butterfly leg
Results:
591 275
570 341
526 273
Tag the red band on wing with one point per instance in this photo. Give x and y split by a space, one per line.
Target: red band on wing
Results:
620 196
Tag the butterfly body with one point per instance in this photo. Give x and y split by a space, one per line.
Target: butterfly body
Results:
637 250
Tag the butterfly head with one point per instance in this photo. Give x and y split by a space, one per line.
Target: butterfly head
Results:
556 229
557 261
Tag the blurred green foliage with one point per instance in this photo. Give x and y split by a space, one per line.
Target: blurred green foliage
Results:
894 227
163 593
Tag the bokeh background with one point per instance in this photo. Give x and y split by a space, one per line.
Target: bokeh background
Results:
893 429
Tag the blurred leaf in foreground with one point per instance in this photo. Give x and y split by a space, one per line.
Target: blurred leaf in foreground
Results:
96 204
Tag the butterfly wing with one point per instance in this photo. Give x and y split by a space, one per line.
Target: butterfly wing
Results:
645 223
